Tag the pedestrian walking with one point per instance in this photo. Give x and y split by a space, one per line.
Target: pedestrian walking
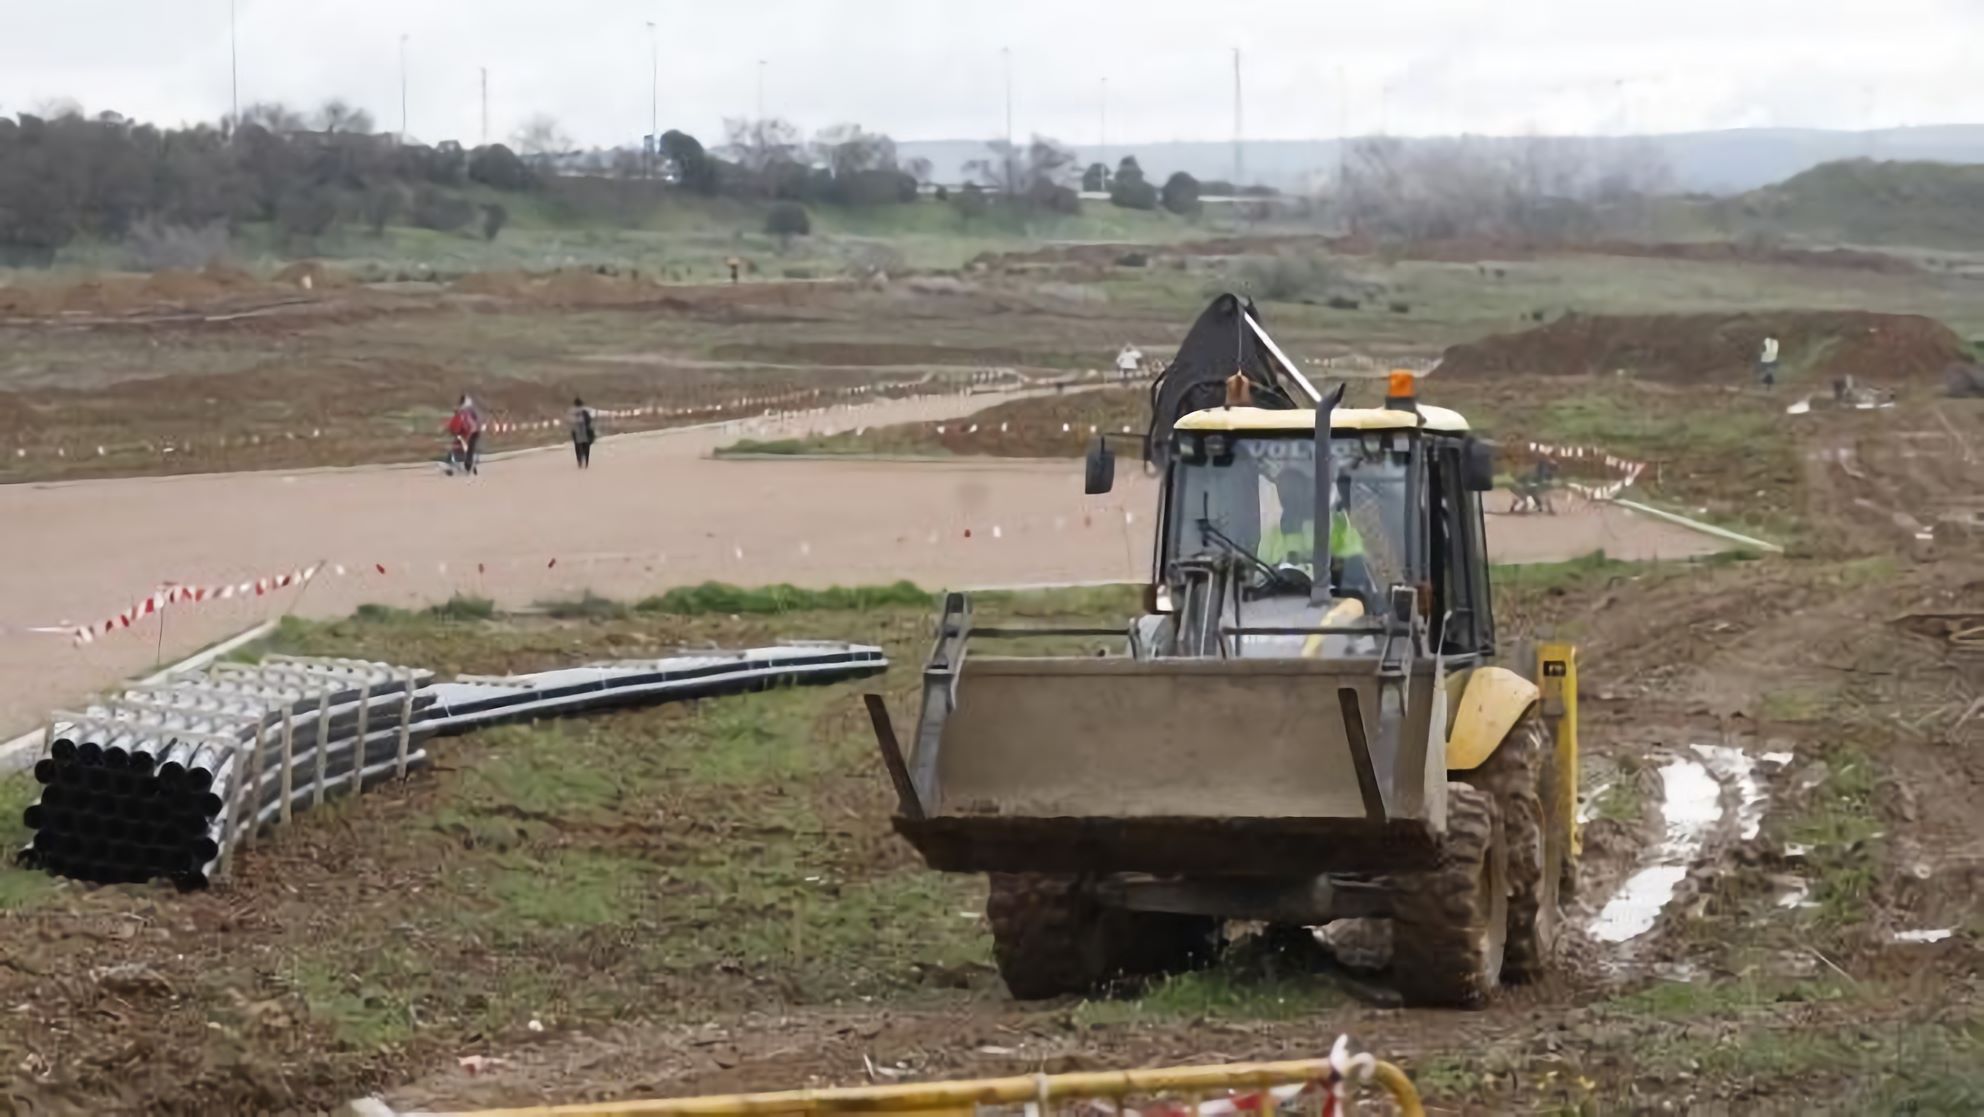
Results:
466 427
585 431
1767 363
1129 360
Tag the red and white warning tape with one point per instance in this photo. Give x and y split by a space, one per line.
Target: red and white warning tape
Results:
158 599
180 595
1625 470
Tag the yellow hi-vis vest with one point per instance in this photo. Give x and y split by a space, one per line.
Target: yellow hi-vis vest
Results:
1294 548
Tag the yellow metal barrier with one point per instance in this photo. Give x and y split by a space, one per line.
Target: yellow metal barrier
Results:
1333 1079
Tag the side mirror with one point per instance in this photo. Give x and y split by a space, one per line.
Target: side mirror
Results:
1099 476
1478 464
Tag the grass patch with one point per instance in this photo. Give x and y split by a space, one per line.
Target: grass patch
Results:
768 737
1621 801
1560 577
1795 704
720 598
1226 992
1841 826
463 608
1688 1000
370 613
366 1011
19 888
1869 571
553 890
588 606
560 767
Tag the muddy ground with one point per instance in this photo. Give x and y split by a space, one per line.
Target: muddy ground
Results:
708 898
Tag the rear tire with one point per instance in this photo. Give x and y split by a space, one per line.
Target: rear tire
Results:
1052 936
1514 776
1450 923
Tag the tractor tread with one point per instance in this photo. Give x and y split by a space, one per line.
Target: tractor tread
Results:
1052 937
1513 775
1444 949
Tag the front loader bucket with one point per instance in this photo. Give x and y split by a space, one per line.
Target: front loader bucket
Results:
1202 766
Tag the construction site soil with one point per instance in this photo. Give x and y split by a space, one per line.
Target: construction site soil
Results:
1816 347
708 899
1454 250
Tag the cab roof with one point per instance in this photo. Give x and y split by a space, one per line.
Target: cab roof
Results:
1304 419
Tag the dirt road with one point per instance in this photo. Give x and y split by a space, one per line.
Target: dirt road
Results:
654 511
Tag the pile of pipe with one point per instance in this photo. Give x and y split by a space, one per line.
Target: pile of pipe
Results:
167 780
164 780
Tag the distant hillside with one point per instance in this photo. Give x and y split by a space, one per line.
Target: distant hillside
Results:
1729 162
1864 202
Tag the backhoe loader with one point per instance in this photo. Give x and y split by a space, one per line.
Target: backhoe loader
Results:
1309 722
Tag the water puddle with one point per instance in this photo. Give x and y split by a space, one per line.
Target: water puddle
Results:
1690 807
1936 935
1740 768
1796 894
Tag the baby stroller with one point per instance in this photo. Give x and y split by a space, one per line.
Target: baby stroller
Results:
457 460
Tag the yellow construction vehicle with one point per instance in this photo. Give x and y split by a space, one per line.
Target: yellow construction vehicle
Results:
1309 722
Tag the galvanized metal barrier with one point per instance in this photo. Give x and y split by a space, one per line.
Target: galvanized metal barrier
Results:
1311 1086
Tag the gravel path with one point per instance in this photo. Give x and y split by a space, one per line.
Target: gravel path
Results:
654 511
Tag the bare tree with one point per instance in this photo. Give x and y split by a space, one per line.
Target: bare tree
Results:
541 137
1532 189
274 116
1043 175
337 115
757 145
847 150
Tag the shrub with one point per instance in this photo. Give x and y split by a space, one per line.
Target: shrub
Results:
588 606
441 211
1285 278
460 608
719 597
787 220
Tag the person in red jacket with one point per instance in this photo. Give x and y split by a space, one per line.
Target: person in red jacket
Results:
466 425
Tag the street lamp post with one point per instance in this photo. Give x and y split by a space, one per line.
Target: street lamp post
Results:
654 100
1102 129
402 88
233 63
1006 59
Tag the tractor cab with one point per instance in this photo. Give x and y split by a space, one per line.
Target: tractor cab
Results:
1394 511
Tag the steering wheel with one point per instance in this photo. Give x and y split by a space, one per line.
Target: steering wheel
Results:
1290 578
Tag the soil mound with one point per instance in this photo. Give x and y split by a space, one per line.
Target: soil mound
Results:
503 283
177 286
1712 348
319 276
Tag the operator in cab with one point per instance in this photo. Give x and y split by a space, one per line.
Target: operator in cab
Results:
1292 541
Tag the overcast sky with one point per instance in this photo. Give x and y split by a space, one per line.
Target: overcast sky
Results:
931 69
